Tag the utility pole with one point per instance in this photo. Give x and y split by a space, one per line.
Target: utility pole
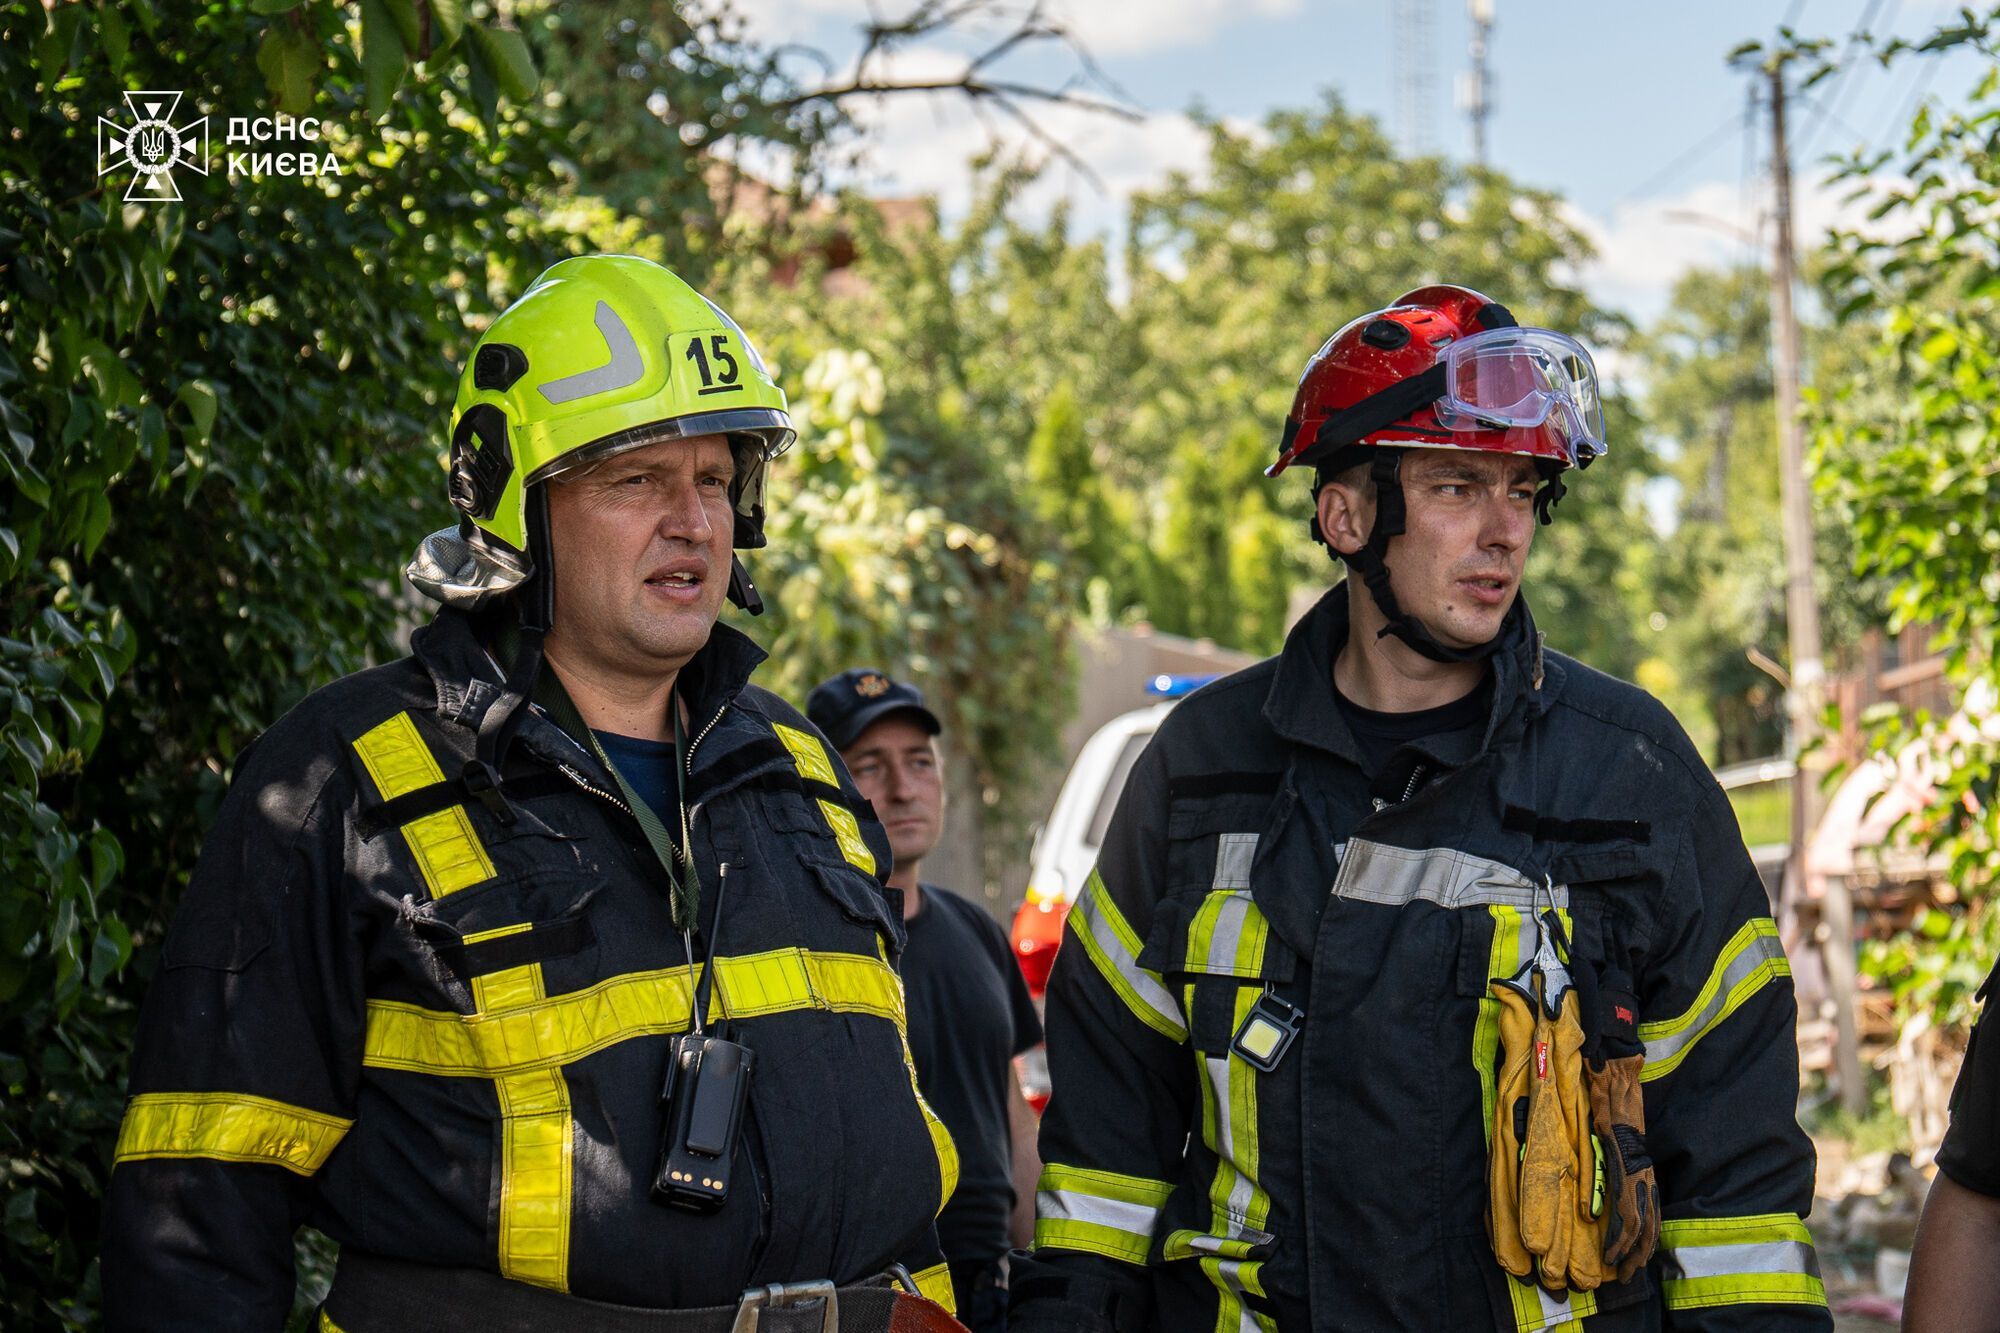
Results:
1413 76
1808 674
1475 89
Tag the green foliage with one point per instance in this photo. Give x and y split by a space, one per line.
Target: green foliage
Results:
1237 279
222 426
869 564
1909 456
1764 812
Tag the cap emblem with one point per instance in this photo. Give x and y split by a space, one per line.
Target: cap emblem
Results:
871 686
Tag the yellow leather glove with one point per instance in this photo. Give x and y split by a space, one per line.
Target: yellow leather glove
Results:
1548 1169
1585 1260
1503 1156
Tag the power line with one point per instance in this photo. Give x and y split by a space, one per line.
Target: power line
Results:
1684 161
1744 206
1844 82
1819 110
1926 70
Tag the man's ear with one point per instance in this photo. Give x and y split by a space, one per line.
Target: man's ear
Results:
1346 513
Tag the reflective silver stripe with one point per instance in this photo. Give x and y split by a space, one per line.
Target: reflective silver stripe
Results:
1231 1273
1231 914
1761 952
1143 992
1375 872
1233 854
1240 1185
1069 1206
624 368
1770 1256
1557 1314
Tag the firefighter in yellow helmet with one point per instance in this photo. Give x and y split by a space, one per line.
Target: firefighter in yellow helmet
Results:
548 970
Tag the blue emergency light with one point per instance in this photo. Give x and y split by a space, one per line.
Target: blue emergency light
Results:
1164 686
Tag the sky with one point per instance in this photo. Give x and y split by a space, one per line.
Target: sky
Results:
1628 110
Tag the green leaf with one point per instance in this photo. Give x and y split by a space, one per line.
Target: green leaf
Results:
507 56
274 6
485 91
57 48
404 15
382 57
107 858
110 951
290 61
198 396
116 34
447 22
96 522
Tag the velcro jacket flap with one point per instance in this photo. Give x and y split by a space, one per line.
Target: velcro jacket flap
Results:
1220 934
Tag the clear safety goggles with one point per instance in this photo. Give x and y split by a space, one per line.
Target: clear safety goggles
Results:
1521 377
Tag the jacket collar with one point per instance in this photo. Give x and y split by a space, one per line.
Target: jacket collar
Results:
455 649
1300 705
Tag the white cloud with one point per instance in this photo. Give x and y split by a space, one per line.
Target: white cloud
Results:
1104 27
1110 29
1644 245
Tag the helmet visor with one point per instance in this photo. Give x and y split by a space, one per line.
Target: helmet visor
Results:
1522 377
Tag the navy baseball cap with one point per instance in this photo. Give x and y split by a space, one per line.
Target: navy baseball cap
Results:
857 699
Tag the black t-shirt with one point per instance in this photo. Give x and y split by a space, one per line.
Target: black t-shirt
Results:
969 1016
1970 1154
1451 732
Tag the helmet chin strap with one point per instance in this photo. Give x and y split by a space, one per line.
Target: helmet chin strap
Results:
1370 563
536 602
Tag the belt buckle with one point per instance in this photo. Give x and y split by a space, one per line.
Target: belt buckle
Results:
779 1295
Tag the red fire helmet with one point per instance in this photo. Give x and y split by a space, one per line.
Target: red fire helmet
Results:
1443 367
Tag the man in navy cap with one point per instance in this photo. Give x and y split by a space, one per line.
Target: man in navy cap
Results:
969 1011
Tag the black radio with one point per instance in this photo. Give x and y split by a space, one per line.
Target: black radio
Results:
707 1077
701 1101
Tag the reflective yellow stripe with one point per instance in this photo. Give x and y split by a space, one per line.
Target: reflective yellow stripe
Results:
1767 1259
326 1324
535 1172
511 987
1112 945
847 832
941 1145
1751 959
1501 959
941 1141
1227 937
536 1138
1098 1212
447 850
568 1027
228 1126
935 1283
808 755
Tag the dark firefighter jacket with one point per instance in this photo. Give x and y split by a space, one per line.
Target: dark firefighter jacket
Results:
1345 1190
441 1038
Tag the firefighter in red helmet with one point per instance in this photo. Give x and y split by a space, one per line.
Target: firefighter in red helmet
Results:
1418 959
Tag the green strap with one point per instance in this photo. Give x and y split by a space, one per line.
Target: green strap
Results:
684 886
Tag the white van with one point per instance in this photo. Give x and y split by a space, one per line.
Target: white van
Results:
1066 848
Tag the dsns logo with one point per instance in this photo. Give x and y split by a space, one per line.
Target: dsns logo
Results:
152 146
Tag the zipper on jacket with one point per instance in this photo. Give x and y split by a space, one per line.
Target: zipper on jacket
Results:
577 776
1381 803
702 735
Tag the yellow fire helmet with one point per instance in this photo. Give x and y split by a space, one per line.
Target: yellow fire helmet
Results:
601 354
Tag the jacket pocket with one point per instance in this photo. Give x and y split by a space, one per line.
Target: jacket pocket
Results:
859 898
1212 840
